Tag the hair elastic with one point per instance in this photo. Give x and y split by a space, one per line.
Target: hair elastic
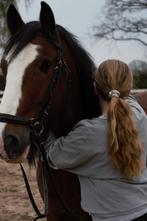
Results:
114 93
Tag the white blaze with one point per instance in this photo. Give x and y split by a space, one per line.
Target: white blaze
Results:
15 73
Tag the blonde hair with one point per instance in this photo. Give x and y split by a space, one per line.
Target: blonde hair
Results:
123 142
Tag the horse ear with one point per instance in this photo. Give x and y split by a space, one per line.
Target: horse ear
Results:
14 20
47 19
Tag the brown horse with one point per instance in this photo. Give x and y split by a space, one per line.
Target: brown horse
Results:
49 76
47 73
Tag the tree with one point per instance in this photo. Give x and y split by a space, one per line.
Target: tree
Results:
139 69
123 20
3 10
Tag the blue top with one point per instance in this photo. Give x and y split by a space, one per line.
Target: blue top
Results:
105 194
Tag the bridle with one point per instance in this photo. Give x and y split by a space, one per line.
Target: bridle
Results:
36 126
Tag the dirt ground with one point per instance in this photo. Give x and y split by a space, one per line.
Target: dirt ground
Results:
14 202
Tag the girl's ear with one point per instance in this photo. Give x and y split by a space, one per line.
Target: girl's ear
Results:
14 20
47 19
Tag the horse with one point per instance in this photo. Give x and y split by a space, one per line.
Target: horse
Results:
142 99
47 73
49 77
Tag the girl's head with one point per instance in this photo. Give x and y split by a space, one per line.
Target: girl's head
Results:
113 75
113 82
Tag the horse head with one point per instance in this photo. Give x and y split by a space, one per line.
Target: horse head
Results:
30 64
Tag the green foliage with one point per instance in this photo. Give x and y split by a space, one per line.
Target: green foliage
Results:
3 27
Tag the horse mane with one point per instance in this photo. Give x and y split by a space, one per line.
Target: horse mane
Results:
83 62
86 69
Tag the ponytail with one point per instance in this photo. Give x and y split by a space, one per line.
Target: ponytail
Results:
113 82
123 142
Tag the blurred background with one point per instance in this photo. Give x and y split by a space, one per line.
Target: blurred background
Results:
106 28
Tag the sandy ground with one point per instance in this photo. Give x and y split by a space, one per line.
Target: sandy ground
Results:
14 202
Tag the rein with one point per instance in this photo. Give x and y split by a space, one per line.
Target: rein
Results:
36 126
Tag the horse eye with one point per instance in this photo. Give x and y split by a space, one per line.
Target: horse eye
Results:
44 67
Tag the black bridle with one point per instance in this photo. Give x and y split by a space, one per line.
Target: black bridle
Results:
36 126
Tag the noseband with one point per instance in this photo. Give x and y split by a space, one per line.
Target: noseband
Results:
36 126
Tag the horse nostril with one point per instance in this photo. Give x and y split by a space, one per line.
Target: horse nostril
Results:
12 146
11 140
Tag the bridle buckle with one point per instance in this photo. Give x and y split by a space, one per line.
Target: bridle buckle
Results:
37 127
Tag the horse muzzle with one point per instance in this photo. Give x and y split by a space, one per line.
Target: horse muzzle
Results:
14 140
17 135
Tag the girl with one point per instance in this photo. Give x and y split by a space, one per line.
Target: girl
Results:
108 153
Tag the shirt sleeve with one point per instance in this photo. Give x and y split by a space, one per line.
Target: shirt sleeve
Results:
71 151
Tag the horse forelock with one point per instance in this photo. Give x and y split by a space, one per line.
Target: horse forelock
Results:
18 41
